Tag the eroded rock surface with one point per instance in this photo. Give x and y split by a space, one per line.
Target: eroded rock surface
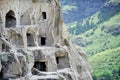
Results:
34 46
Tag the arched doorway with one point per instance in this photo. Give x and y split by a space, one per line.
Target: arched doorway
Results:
10 19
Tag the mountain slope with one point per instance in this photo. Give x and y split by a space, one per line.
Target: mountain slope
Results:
109 10
79 9
106 65
99 35
102 36
101 41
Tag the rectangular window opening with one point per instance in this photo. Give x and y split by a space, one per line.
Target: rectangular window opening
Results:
41 66
44 15
57 60
43 41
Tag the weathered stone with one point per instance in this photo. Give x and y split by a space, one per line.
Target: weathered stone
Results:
34 46
10 65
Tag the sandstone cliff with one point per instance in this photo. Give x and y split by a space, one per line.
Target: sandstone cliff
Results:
33 45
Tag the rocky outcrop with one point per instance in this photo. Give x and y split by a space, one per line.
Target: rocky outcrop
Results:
33 45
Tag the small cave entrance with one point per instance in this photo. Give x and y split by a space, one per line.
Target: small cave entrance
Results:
62 61
5 48
43 41
44 15
41 66
30 40
57 60
1 74
10 19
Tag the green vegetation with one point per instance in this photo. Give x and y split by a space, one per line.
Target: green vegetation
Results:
104 36
77 28
111 9
106 65
99 36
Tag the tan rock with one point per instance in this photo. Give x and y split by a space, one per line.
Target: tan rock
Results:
34 44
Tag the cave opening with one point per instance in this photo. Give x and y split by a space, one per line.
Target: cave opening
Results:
44 15
1 74
10 19
62 61
41 66
43 41
57 60
5 48
30 40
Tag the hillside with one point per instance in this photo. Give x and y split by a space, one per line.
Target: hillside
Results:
99 35
107 65
105 36
77 10
110 9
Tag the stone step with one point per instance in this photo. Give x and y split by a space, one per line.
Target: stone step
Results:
50 77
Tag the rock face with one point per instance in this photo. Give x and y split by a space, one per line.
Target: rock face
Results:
33 45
